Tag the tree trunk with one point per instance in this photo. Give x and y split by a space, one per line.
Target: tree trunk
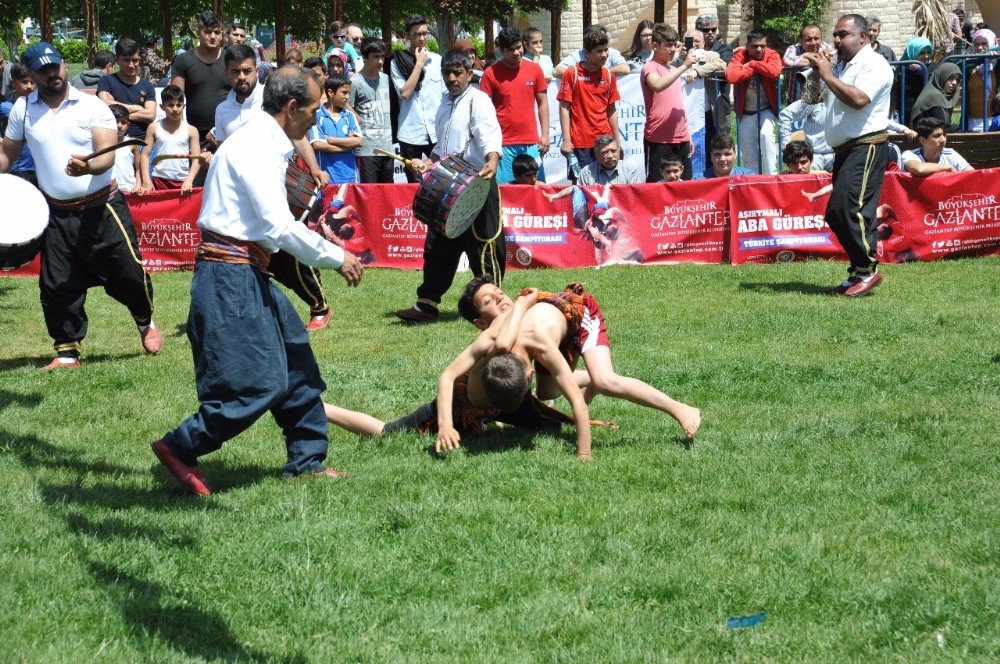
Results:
90 9
45 19
166 32
659 10
588 14
488 38
555 28
217 7
279 31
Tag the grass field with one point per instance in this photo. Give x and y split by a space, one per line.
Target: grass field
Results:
845 481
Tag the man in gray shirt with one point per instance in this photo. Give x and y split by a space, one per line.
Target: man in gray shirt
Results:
609 167
370 100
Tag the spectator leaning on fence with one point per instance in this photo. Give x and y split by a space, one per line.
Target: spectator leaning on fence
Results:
615 61
754 71
938 99
517 89
932 156
717 117
810 41
979 83
666 131
813 120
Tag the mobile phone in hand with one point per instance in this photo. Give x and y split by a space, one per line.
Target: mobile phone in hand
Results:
689 43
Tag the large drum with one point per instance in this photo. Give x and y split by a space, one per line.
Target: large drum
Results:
305 198
25 217
450 196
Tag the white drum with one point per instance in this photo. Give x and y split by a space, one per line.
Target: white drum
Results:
26 215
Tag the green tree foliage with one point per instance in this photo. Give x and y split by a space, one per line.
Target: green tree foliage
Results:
784 18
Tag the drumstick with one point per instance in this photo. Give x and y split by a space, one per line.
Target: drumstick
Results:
112 148
390 154
161 157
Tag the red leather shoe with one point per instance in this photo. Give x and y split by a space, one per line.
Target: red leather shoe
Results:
864 286
320 321
189 477
152 340
842 288
57 363
414 315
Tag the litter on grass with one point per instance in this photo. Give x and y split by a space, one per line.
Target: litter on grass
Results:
739 622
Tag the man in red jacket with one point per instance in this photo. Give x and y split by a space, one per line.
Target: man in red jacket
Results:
754 72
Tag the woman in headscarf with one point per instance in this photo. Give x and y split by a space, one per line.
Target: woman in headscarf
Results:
478 66
938 99
979 83
914 76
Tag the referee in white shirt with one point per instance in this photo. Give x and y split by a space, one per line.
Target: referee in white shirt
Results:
251 350
90 240
244 101
466 125
857 119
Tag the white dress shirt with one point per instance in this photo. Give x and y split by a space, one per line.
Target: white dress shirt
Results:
813 119
230 115
467 126
245 198
869 72
416 114
54 135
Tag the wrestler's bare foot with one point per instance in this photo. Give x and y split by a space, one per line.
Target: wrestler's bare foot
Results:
689 418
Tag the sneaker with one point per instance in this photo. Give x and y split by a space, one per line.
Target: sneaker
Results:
414 315
864 285
62 363
152 340
319 322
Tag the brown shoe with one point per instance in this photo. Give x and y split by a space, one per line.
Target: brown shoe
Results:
414 315
842 288
190 477
319 321
326 473
864 286
57 363
152 340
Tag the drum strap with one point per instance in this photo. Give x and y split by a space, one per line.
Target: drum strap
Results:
491 263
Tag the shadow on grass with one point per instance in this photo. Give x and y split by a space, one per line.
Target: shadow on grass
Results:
180 330
502 440
39 361
8 399
444 317
152 610
785 287
34 452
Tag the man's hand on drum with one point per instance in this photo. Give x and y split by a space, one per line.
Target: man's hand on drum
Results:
322 177
351 269
489 169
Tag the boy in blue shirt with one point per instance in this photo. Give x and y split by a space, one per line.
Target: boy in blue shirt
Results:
724 159
22 85
336 134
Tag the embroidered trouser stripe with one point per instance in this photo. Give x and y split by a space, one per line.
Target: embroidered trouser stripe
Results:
857 184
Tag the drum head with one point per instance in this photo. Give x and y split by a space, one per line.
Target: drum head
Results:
467 207
26 214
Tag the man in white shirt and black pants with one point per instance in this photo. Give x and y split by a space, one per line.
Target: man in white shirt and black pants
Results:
245 101
467 126
251 350
856 128
90 240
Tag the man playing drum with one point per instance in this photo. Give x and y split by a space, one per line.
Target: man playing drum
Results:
90 240
467 127
251 350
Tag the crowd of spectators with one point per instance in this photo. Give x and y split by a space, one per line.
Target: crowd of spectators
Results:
691 87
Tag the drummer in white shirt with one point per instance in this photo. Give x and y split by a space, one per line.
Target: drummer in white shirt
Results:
466 126
244 102
90 240
251 351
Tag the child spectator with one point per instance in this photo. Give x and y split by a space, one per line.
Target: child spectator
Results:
534 50
724 158
126 158
797 157
336 133
932 156
174 139
587 97
525 169
671 168
370 100
666 131
22 85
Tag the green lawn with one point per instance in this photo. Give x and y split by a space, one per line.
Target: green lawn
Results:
845 481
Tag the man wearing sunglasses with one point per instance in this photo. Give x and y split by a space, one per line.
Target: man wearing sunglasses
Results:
717 115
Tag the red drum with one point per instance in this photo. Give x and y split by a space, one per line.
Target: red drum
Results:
26 215
305 198
450 196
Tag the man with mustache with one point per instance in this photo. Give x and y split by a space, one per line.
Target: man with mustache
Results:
90 240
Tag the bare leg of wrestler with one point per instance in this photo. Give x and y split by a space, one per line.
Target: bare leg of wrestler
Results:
604 380
353 421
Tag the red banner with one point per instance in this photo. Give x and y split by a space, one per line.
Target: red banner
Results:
167 226
775 221
748 219
948 215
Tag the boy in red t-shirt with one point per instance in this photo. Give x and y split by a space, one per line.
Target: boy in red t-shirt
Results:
516 85
587 99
